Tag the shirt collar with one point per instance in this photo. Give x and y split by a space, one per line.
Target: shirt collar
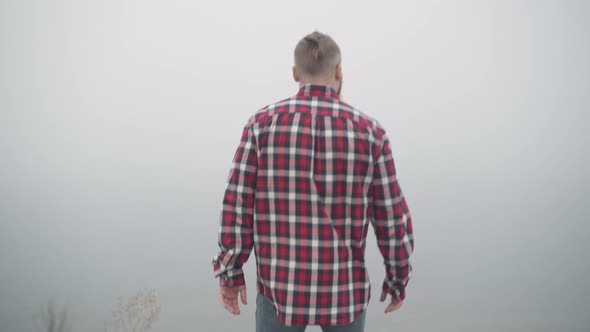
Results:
312 90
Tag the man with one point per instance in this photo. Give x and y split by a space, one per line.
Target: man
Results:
309 175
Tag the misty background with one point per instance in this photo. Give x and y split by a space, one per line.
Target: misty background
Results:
119 121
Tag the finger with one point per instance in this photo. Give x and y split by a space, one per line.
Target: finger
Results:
233 304
383 295
229 298
230 307
227 306
235 308
243 295
393 306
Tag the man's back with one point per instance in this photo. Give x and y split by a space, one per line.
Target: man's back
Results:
312 158
310 174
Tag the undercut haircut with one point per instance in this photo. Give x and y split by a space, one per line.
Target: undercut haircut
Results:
316 55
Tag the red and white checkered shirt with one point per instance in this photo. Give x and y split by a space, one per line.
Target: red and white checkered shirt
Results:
309 175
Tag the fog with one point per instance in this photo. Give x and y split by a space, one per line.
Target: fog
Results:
119 121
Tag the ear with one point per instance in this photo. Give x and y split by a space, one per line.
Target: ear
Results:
338 75
295 75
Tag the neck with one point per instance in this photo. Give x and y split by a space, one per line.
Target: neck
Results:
333 85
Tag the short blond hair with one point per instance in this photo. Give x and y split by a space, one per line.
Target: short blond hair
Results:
316 55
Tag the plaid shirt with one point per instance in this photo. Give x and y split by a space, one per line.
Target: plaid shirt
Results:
309 175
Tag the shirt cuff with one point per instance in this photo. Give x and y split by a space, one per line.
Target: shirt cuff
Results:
228 278
236 280
394 288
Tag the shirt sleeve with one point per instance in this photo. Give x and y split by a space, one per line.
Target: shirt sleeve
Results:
235 237
392 223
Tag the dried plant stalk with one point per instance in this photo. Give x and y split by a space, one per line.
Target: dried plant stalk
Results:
138 313
54 320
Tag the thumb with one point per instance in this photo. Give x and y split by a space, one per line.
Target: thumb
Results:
243 295
383 296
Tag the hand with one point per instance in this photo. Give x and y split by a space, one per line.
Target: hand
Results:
395 304
228 296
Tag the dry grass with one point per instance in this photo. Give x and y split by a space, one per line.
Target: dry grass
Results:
136 313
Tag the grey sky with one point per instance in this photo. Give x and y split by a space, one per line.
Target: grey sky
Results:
119 120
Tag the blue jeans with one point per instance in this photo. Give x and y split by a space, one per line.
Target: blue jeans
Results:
267 320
